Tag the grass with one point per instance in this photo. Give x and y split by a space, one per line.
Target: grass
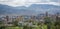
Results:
38 27
22 27
14 28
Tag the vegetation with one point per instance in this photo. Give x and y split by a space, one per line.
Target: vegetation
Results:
48 24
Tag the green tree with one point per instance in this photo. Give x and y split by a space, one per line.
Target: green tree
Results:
48 22
15 23
2 27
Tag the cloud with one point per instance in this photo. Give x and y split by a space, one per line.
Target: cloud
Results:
54 0
28 2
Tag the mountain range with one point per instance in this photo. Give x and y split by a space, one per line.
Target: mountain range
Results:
33 9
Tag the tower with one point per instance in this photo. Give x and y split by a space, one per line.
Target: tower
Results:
7 17
46 14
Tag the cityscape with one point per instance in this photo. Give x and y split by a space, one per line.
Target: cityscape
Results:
29 14
41 21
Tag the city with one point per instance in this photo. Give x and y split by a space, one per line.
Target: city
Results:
29 14
41 21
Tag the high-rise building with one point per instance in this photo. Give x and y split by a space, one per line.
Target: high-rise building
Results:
7 17
46 14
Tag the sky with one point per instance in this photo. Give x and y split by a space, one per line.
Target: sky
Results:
29 2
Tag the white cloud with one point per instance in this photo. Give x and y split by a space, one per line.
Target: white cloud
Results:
28 2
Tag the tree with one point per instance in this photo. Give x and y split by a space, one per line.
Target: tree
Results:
57 23
2 27
48 22
15 23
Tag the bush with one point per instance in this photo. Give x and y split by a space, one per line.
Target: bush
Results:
2 27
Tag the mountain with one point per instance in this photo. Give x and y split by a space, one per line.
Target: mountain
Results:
31 10
45 7
6 10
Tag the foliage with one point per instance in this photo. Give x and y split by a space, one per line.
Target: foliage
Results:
14 27
2 27
15 23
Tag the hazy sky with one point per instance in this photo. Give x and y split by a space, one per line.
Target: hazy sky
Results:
28 2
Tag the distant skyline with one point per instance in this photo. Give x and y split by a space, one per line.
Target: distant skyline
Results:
29 2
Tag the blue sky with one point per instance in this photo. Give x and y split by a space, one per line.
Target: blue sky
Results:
28 2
